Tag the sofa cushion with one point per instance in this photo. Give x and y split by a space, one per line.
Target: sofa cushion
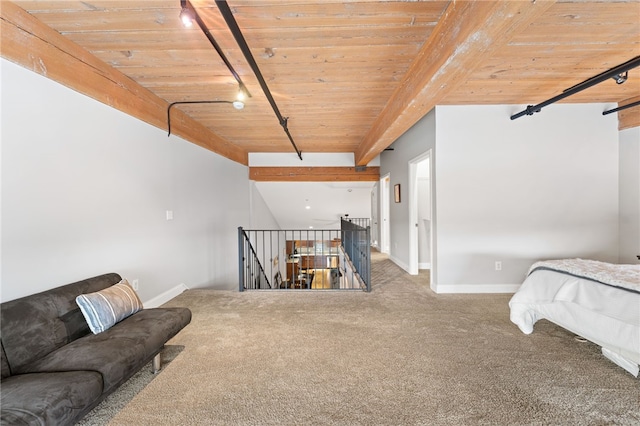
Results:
6 371
48 398
121 350
105 308
36 325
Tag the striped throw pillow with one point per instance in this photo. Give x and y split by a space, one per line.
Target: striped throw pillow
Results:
105 308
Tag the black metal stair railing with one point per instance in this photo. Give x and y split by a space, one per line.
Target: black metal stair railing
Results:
252 274
356 240
363 222
309 259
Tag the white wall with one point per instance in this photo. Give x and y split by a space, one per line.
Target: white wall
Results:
327 202
630 195
414 142
309 159
85 190
539 187
261 215
270 247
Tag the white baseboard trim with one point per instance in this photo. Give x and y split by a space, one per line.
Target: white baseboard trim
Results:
477 288
399 262
425 265
166 296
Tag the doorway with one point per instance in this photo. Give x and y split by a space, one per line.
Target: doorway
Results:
385 183
420 216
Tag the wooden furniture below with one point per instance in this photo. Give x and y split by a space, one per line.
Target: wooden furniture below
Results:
292 270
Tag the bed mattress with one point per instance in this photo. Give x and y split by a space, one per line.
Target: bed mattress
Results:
606 313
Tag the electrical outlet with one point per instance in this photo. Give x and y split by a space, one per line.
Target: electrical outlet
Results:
498 265
135 284
169 214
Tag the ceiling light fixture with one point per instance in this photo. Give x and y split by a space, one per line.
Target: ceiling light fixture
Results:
188 14
240 96
621 78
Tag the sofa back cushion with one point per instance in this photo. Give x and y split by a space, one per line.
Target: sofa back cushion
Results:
36 325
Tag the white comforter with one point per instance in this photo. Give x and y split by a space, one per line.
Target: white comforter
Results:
607 314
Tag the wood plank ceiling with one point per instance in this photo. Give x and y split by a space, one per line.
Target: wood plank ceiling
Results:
351 76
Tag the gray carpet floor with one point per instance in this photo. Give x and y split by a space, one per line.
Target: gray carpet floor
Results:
400 355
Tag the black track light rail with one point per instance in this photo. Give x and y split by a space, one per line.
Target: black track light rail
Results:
612 73
632 104
237 34
214 43
188 102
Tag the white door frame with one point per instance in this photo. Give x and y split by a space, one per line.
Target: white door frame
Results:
385 234
413 212
375 216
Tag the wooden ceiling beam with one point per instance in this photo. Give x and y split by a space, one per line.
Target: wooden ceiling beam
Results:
314 174
465 36
35 46
630 117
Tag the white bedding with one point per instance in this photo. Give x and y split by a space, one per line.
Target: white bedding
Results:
606 315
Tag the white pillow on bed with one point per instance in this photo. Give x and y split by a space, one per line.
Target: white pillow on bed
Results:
105 308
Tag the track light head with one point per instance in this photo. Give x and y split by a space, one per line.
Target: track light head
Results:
187 16
621 78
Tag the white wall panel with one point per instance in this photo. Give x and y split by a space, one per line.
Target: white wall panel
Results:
86 188
539 187
630 195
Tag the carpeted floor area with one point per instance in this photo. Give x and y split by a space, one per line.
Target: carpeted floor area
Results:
399 355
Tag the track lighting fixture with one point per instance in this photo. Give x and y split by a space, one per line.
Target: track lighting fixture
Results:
189 14
621 78
186 16
227 14
630 105
618 73
240 96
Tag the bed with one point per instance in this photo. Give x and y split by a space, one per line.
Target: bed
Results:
596 300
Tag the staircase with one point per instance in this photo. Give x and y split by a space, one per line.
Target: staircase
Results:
305 259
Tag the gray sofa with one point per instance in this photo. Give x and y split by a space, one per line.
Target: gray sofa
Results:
54 370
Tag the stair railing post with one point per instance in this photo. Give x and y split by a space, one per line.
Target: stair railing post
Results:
368 260
240 258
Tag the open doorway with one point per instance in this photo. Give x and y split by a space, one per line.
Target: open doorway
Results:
420 223
385 183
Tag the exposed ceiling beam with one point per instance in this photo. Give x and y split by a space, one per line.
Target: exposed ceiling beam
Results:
33 45
467 32
314 174
629 117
